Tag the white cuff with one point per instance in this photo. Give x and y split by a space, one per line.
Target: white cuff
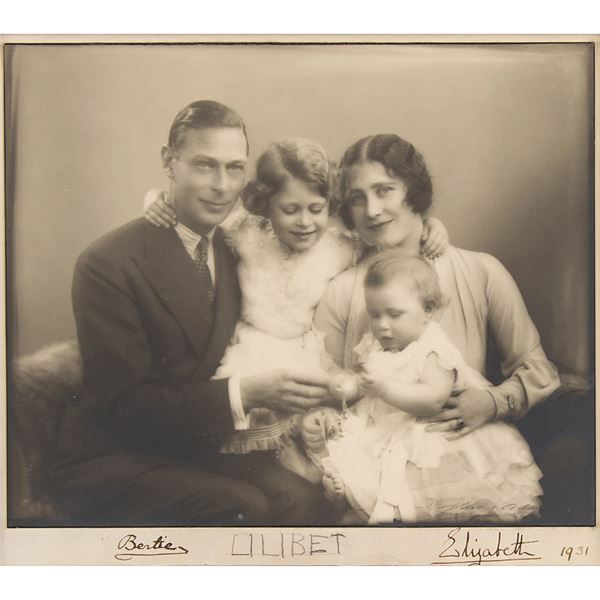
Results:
240 419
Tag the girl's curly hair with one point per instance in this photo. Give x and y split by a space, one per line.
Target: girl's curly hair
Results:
287 159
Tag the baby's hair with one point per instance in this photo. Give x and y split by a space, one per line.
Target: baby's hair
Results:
415 271
287 159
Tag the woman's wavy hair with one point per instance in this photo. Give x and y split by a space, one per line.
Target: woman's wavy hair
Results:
287 159
419 275
399 158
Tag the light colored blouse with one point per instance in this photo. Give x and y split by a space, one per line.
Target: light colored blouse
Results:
483 297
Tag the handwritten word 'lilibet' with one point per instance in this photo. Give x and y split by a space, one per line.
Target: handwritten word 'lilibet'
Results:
130 547
286 545
467 548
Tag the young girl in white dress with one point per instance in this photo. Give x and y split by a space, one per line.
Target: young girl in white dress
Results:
288 251
384 462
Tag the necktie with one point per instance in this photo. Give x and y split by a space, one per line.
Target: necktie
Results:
201 264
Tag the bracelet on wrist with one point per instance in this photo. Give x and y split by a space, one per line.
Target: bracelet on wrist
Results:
495 415
507 408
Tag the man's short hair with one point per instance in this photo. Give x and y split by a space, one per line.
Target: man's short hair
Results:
204 114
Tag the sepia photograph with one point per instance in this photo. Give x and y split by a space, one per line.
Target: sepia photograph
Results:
300 300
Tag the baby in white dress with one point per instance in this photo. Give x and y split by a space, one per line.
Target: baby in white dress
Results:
384 463
289 250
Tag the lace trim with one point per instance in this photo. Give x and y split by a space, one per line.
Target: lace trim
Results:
271 437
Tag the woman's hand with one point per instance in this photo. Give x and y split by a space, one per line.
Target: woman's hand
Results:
157 209
434 240
463 414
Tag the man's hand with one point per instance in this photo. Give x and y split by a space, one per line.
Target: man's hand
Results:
473 407
285 390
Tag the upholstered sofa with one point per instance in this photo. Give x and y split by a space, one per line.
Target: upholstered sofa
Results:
40 386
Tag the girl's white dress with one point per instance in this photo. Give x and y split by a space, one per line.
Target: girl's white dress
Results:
393 470
280 291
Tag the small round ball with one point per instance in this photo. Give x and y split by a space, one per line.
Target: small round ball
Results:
344 387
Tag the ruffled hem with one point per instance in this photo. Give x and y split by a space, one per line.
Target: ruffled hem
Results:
514 499
455 503
494 448
455 493
457 482
272 437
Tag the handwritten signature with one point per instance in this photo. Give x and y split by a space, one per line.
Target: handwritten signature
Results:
158 547
474 508
463 548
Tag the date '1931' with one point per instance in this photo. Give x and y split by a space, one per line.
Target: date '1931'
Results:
571 552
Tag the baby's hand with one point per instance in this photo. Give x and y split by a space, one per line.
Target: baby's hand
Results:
157 209
313 431
318 426
371 385
332 422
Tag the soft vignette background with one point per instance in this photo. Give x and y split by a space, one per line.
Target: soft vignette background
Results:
506 132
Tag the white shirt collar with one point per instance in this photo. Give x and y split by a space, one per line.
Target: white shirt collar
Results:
185 233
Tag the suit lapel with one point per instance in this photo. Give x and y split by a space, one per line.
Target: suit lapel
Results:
172 274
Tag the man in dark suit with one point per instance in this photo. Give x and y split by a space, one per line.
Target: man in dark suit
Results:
155 309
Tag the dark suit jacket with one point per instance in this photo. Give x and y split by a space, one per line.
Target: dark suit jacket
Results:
150 343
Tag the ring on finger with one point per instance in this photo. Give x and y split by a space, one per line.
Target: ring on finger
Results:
459 424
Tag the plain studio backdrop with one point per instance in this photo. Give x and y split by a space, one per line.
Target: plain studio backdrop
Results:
506 131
